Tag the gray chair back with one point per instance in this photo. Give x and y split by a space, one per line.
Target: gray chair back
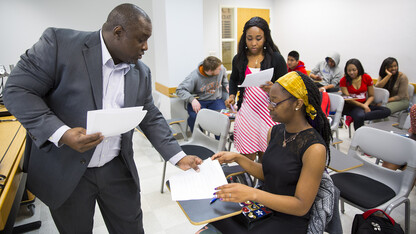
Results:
337 105
210 122
390 147
381 96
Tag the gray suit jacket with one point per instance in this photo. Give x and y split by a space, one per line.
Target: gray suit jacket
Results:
56 82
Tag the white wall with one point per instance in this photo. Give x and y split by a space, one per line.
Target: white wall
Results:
369 30
22 22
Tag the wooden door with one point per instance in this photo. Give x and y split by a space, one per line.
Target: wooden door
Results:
244 14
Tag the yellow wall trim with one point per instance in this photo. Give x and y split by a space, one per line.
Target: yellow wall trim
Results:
165 90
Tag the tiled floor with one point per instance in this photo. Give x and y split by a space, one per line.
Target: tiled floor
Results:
162 215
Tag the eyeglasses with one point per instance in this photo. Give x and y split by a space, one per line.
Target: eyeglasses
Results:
274 104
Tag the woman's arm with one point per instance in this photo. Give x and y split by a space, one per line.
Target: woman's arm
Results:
403 86
383 81
233 84
253 168
370 98
306 189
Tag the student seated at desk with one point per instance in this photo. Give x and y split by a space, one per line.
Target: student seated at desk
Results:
293 163
396 83
294 64
209 82
359 85
327 73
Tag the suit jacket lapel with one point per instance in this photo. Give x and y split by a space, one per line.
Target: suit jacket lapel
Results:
131 86
93 60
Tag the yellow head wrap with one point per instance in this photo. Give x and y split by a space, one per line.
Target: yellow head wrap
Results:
294 84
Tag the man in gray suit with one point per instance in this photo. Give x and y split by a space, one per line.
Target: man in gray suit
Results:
64 75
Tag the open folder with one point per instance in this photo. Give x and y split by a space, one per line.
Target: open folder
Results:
112 122
192 185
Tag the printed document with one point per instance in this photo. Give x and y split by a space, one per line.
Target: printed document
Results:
112 122
257 79
192 185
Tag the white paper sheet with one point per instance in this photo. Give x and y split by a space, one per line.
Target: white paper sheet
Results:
257 79
112 122
191 185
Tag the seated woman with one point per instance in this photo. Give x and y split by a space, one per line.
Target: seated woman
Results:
396 83
292 165
359 86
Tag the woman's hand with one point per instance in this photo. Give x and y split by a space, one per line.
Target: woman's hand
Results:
235 192
366 108
388 72
267 86
225 157
230 101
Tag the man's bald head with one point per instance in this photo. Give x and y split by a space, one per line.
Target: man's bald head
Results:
125 15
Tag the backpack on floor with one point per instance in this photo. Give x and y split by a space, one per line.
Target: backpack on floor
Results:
375 221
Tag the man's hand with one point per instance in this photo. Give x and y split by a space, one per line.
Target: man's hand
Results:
267 86
77 139
196 106
189 161
316 77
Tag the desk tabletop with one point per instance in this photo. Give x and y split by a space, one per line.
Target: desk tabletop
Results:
12 141
201 211
388 126
341 162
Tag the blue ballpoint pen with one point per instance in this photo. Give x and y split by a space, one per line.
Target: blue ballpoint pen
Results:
232 107
213 200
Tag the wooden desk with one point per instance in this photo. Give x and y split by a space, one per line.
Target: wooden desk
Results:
12 179
340 162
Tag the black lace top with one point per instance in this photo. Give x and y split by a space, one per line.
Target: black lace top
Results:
282 167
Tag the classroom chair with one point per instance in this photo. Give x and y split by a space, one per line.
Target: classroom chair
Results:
371 185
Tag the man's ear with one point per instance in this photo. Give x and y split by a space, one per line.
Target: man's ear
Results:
118 31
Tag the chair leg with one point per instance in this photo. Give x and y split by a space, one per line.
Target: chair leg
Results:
407 217
349 130
163 177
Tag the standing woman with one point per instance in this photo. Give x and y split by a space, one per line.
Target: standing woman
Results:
359 85
293 163
396 83
256 51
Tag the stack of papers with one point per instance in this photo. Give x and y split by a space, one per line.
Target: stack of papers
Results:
192 185
112 122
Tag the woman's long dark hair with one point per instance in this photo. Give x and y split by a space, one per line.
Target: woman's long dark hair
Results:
268 43
357 64
320 123
382 73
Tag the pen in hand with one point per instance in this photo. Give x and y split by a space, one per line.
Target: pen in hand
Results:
232 107
213 200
